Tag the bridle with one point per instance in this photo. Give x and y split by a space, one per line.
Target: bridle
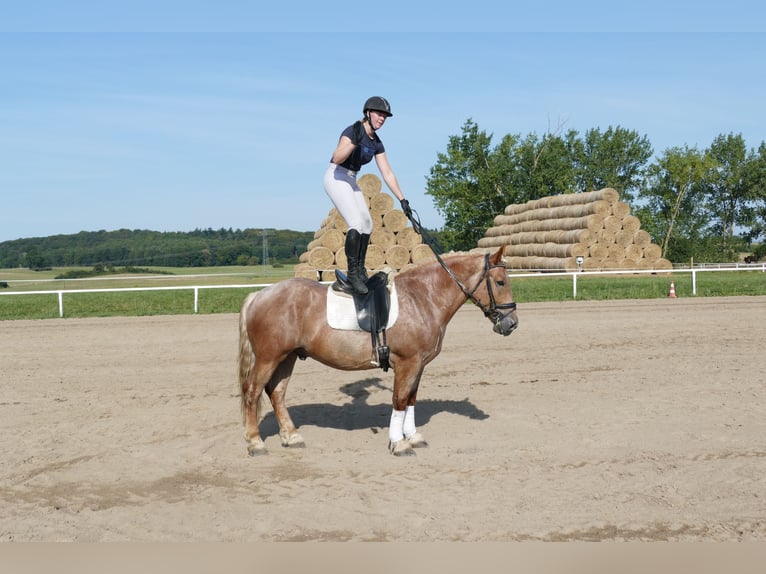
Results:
493 311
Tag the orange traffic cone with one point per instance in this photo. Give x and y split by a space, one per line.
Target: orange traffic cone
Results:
672 293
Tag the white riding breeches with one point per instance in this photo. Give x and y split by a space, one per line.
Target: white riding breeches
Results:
340 185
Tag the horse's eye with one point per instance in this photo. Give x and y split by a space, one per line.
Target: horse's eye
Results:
500 283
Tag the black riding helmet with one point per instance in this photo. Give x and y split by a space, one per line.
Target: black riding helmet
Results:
377 104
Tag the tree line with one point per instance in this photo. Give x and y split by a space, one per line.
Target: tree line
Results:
124 247
705 205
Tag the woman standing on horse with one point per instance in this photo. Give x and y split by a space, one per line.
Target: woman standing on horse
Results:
357 146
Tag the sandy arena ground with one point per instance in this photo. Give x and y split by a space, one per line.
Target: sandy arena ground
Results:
639 420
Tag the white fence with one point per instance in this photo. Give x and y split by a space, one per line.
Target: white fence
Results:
574 274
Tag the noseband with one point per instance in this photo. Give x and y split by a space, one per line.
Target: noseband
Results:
493 311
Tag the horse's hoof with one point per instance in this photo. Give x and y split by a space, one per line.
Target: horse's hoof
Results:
417 440
401 448
293 441
257 449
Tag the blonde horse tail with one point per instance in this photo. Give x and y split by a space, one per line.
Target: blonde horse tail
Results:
246 362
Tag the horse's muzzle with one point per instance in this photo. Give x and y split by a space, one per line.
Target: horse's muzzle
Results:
506 324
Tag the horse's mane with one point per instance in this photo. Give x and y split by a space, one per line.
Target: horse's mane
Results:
427 265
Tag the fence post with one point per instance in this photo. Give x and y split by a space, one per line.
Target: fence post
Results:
196 299
574 285
61 303
694 281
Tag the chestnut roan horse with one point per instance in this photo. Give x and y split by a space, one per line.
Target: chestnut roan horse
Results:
287 321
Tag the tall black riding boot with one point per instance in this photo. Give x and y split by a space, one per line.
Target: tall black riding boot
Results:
356 273
364 241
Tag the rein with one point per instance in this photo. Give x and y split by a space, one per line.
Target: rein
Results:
491 311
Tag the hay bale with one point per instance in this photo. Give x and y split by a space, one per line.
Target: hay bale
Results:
598 251
642 238
321 258
652 252
634 252
382 236
409 238
631 223
395 220
620 209
624 237
380 203
370 184
421 254
306 271
333 239
612 224
341 261
376 257
397 256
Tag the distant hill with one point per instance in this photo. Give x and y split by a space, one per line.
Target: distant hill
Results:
125 247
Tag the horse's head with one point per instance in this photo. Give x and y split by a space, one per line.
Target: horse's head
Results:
500 307
492 292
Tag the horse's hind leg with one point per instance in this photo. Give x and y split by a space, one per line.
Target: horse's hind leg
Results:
276 389
253 383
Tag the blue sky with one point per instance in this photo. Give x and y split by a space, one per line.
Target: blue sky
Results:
109 119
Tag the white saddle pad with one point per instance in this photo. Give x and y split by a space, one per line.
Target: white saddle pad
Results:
341 312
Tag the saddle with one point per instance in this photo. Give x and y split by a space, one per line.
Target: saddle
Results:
372 311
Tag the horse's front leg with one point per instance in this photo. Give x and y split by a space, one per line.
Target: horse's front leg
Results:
276 390
403 435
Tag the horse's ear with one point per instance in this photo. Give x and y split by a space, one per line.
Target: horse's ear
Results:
497 257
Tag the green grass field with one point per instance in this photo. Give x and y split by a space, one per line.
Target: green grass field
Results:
228 299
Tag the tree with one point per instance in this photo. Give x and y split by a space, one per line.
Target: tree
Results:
615 158
467 184
672 213
730 190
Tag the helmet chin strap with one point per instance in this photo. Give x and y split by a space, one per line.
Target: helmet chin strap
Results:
368 119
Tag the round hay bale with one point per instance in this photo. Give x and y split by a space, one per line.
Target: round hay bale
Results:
383 237
422 253
321 258
652 252
620 209
624 237
591 264
333 239
304 257
498 241
376 257
598 251
397 256
606 237
642 238
395 220
612 224
611 263
314 243
336 221
615 251
341 262
409 238
631 223
634 252
306 271
370 184
381 202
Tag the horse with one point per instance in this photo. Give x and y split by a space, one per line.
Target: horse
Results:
287 321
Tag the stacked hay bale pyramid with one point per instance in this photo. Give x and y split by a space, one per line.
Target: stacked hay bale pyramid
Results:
551 232
394 244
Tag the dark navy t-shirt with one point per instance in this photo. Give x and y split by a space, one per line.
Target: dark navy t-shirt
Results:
364 152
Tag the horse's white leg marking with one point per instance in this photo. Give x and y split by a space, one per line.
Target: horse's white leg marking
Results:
410 430
397 444
396 426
